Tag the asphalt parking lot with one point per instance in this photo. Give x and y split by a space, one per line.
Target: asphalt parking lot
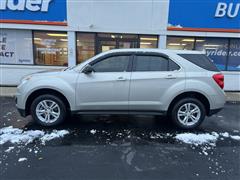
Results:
122 147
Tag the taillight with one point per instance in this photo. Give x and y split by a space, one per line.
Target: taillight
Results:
219 79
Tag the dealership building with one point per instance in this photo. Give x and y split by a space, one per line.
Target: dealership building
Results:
49 34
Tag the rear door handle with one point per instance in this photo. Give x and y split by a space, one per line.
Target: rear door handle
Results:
121 79
170 76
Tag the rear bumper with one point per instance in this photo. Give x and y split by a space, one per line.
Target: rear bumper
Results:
214 111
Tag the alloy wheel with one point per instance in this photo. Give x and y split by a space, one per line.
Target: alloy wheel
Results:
48 111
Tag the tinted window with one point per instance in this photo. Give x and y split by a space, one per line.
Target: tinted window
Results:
112 64
173 66
150 63
200 60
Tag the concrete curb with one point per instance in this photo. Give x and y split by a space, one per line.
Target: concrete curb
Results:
11 91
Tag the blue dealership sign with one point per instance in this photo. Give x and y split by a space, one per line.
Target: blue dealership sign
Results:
33 11
206 15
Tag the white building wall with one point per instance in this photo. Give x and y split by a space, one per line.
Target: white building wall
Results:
131 16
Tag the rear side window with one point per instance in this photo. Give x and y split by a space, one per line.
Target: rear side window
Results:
154 63
200 60
150 63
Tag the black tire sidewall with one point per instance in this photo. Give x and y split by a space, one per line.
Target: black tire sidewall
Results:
63 111
184 101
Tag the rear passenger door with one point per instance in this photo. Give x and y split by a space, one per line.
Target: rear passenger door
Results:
152 76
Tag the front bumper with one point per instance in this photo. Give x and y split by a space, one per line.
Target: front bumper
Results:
22 112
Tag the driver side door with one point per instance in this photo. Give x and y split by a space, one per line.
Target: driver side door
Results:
107 88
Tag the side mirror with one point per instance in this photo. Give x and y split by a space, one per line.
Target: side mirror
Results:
88 69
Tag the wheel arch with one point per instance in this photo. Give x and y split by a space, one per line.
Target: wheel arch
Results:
202 98
43 91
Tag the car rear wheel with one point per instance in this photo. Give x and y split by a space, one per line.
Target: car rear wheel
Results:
48 110
188 113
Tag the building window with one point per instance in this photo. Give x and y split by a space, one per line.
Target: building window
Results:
16 46
89 44
224 52
85 46
234 55
107 42
50 48
180 43
148 42
215 48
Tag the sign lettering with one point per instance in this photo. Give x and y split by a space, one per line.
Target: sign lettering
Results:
229 10
21 5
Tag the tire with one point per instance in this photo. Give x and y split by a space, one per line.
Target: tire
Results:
179 113
41 109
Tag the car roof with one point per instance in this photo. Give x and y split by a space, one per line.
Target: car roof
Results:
165 51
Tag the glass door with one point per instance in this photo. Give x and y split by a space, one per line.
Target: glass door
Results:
106 42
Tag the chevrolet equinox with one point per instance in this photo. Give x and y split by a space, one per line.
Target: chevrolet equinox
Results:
183 85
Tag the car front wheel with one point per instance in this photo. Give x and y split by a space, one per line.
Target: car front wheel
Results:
48 110
188 113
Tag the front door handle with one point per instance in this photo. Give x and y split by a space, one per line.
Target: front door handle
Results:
121 79
170 76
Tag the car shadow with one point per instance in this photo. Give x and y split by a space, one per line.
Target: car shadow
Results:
107 129
110 122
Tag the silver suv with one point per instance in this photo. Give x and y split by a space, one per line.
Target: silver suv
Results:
184 85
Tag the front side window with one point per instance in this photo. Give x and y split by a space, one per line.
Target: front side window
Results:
150 63
173 66
50 48
112 64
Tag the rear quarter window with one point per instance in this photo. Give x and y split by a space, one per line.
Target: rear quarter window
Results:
200 60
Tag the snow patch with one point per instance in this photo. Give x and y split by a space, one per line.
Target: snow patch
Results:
22 159
9 149
235 137
55 134
226 134
93 131
9 113
19 136
197 139
156 136
177 26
